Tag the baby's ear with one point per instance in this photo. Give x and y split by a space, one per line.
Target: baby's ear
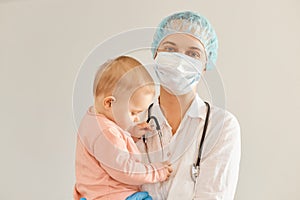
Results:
107 101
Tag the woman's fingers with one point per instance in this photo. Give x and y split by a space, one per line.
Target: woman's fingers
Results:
139 196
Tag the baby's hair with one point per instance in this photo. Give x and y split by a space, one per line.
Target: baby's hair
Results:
111 72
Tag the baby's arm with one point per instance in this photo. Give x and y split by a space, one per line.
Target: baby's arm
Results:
152 173
111 151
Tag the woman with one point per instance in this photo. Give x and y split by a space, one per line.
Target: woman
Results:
184 48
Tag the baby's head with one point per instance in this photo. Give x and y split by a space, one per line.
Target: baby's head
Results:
122 90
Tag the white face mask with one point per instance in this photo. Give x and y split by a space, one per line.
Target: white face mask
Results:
177 72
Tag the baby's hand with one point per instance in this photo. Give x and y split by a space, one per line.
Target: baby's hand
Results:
139 130
164 170
168 167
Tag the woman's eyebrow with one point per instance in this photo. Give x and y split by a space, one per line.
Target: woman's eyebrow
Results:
168 42
196 48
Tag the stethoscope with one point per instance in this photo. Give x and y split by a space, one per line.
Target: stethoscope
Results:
158 129
195 171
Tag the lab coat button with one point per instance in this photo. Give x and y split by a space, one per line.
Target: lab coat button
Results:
168 154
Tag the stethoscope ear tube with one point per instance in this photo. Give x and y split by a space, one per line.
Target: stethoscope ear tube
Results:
148 120
149 113
197 164
158 129
154 118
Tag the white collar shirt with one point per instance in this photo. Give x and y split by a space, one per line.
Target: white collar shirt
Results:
219 166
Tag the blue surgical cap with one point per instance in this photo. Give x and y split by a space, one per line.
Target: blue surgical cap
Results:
193 24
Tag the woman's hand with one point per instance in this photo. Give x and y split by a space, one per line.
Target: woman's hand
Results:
135 196
139 196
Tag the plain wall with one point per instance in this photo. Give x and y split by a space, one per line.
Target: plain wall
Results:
43 43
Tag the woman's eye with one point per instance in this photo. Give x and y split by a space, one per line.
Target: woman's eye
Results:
193 54
170 49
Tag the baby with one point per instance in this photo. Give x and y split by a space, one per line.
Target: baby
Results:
108 163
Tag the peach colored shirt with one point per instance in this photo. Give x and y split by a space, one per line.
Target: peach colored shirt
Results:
108 161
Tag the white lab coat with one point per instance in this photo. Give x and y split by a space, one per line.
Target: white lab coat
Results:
219 166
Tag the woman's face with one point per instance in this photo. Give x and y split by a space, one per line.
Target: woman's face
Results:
185 44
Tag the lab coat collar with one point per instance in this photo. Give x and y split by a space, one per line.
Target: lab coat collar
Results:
196 110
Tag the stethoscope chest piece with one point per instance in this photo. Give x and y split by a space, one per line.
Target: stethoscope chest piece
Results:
195 172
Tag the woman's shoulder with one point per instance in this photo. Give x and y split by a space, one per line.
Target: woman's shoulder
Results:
223 126
223 116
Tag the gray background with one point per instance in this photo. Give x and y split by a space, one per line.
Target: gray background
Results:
43 43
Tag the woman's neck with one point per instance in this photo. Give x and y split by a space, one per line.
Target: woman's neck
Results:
175 107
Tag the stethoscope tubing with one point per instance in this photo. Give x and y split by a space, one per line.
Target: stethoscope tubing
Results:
158 129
